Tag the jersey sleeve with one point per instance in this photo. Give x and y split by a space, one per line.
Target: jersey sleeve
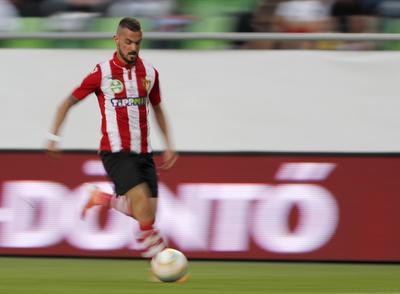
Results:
155 95
90 84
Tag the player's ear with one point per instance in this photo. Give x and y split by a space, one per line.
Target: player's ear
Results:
115 38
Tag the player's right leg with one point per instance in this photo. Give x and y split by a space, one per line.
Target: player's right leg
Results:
143 208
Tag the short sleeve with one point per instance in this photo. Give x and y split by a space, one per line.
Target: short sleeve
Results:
90 84
155 95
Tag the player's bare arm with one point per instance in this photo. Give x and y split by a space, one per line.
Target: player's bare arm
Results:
61 114
169 156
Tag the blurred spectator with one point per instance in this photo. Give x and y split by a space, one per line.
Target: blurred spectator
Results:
72 15
262 20
303 16
148 8
50 7
344 10
171 23
388 12
70 21
8 16
356 16
290 16
243 25
28 8
295 16
388 8
162 14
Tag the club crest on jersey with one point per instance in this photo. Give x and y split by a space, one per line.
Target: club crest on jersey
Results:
116 86
146 84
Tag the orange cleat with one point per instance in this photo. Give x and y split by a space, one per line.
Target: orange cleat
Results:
96 198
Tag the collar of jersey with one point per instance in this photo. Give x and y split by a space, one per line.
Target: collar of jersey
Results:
119 63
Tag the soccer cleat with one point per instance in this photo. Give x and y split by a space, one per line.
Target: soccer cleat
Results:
184 279
152 243
96 198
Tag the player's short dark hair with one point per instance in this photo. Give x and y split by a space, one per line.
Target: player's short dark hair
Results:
130 23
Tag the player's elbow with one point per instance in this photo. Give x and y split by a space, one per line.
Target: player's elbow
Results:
67 104
158 109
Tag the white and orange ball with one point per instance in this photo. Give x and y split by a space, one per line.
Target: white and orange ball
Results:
169 265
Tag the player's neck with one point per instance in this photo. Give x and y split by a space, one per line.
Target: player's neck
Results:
122 62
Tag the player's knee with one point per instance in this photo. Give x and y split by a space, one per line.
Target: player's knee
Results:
139 192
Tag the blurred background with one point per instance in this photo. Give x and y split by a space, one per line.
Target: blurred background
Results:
289 150
296 16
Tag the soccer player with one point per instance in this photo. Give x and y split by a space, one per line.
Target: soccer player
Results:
125 87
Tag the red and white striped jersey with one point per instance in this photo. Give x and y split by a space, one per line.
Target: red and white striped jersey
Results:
124 94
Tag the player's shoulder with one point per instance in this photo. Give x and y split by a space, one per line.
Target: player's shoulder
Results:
148 65
96 69
103 63
94 73
102 67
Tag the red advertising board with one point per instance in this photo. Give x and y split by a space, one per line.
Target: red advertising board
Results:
242 206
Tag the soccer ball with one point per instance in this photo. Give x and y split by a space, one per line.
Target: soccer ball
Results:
169 265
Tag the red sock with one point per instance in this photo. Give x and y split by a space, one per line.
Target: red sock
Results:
148 226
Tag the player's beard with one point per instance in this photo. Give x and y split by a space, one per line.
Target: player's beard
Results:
126 58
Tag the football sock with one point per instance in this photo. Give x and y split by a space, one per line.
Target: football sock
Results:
146 226
150 239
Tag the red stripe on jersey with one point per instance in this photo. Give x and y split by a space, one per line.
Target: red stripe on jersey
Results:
105 141
154 95
117 73
141 82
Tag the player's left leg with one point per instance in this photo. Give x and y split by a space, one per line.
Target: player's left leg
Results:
122 203
106 200
124 171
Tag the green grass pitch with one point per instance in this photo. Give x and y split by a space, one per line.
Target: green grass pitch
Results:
98 276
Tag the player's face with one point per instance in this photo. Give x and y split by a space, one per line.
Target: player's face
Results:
128 44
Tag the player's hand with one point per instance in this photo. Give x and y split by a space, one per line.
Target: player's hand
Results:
52 148
169 159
